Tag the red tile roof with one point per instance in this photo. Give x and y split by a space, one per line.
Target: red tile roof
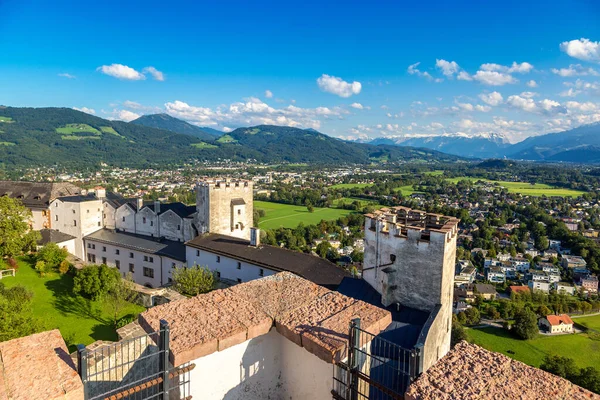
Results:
559 319
518 289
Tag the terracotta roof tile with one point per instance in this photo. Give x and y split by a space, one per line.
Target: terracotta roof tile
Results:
559 319
471 372
309 315
38 367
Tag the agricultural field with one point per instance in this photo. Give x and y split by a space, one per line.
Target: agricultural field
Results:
70 137
7 144
226 139
71 129
406 190
363 202
581 347
203 145
350 185
110 130
289 216
6 119
79 320
525 188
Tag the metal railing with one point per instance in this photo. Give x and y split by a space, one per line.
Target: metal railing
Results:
375 368
133 369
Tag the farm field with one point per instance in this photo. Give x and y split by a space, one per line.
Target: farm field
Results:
406 190
111 130
350 185
6 119
71 129
203 145
580 347
525 188
79 320
289 216
363 202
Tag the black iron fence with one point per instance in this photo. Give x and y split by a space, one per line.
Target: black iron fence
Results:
375 369
133 369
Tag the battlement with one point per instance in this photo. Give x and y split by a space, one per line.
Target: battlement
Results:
224 183
406 222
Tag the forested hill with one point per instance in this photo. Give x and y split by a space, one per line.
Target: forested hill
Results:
165 121
48 136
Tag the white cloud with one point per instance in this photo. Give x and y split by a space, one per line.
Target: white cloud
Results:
586 107
582 49
521 68
528 104
529 95
67 75
493 99
121 71
570 93
156 74
464 76
532 84
85 110
580 86
268 94
358 106
575 70
126 115
525 104
493 78
413 70
449 68
337 86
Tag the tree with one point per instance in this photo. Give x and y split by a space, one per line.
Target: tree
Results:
42 267
94 281
323 248
543 310
15 234
64 266
458 333
120 295
525 324
194 280
473 316
52 255
310 208
357 256
17 318
561 366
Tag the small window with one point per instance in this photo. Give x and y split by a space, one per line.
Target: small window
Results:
170 280
98 223
218 259
123 219
118 264
104 260
239 280
104 216
237 226
239 212
89 246
218 274
145 258
73 211
151 259
117 251
131 268
148 272
239 265
55 204
261 272
130 255
93 246
151 223
103 248
56 217
74 222
144 220
88 211
178 227
197 253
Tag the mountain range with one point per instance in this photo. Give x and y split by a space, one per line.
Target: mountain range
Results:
581 145
165 121
63 136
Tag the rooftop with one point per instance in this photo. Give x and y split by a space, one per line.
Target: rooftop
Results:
53 236
38 367
313 268
417 219
556 320
147 244
471 372
306 314
37 194
79 198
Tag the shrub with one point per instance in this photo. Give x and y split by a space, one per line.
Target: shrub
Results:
12 263
194 280
94 281
41 267
127 319
52 255
64 266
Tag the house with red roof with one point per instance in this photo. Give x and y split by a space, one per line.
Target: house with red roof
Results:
556 324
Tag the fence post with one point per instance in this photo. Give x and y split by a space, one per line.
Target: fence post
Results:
82 368
164 357
355 364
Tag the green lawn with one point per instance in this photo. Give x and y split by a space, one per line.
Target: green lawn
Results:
592 322
110 130
584 350
203 145
71 137
539 189
7 144
289 216
226 139
406 190
363 202
350 185
79 320
6 119
71 129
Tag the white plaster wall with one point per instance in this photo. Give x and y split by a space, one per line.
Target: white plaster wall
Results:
167 268
69 245
77 219
188 230
227 267
39 221
108 216
169 222
267 367
148 228
125 259
127 225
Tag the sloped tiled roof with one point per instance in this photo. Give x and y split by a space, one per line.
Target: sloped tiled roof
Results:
556 320
37 194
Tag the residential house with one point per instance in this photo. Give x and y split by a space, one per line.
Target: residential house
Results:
520 263
488 292
556 324
564 288
589 283
542 286
495 275
573 262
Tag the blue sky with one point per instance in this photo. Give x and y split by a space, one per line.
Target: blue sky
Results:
346 68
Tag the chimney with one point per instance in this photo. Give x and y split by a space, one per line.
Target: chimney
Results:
139 203
254 237
100 192
157 207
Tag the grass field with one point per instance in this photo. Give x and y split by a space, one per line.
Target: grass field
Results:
6 119
71 137
7 144
203 145
592 322
110 130
289 216
539 189
406 190
226 139
363 202
585 351
437 172
80 320
71 129
350 185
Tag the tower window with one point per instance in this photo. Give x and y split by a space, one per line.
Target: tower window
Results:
261 272
239 265
218 259
239 212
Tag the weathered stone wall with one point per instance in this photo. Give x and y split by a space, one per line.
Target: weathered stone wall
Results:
108 216
127 225
146 222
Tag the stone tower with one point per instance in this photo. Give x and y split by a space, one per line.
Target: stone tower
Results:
410 260
225 207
